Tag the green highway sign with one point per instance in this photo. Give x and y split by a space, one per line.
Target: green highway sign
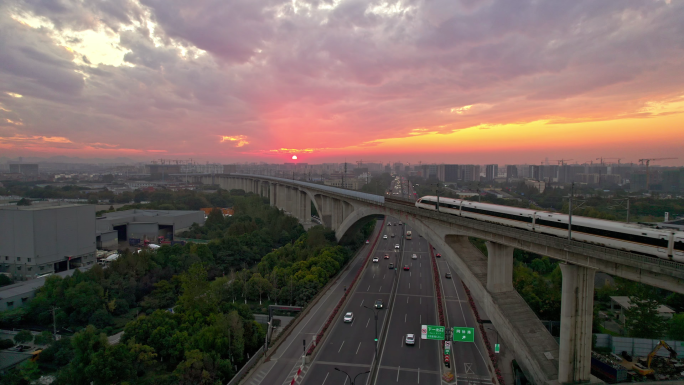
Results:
464 334
432 332
497 348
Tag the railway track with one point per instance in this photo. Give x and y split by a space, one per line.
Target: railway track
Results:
403 202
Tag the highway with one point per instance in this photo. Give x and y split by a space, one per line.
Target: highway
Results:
414 305
285 362
469 358
350 346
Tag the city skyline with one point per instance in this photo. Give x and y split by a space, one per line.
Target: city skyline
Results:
477 82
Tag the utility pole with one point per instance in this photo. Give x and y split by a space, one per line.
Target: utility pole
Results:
572 190
54 323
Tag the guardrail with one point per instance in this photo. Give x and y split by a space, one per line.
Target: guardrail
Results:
246 367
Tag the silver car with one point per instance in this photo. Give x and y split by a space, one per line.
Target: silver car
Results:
414 256
349 317
396 246
410 339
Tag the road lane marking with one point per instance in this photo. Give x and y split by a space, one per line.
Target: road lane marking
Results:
326 377
420 319
357 349
420 299
367 322
409 285
398 369
418 376
368 288
407 297
405 317
361 302
373 276
380 289
468 368
421 286
341 347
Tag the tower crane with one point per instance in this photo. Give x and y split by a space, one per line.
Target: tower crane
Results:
561 162
602 159
648 161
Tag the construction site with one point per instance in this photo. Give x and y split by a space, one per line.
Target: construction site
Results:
619 368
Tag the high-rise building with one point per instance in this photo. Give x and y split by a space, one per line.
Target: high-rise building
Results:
23 168
398 167
449 173
470 173
511 172
534 172
491 171
638 182
673 180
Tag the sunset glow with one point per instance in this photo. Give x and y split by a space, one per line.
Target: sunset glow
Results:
442 81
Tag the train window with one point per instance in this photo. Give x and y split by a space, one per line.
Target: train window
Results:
679 246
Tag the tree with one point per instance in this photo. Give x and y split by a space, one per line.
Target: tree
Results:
642 319
203 369
5 280
101 319
111 365
24 202
257 286
676 327
196 294
45 338
23 337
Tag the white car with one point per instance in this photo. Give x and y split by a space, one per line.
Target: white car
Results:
396 246
410 339
349 317
384 236
414 256
376 259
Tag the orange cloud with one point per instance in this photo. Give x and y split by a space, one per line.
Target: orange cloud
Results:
240 139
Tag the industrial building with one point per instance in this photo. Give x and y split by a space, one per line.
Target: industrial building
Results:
117 227
19 293
37 240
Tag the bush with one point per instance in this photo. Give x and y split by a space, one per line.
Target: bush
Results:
4 344
100 319
23 336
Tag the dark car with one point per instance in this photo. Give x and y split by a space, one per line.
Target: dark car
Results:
378 304
406 267
391 266
447 275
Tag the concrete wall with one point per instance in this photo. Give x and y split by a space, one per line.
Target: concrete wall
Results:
109 240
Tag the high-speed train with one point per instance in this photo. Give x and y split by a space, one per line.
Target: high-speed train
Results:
661 243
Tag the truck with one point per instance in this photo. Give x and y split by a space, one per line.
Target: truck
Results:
607 368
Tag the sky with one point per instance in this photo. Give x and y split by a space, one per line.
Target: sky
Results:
445 81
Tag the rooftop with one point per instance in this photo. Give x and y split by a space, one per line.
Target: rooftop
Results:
624 303
24 287
41 206
146 213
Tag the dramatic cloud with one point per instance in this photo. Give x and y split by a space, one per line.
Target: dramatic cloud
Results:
246 79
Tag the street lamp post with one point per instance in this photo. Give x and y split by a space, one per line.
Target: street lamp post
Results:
348 376
375 313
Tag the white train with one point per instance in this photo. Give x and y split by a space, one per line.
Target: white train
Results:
667 244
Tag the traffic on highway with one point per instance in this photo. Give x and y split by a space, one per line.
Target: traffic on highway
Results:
373 313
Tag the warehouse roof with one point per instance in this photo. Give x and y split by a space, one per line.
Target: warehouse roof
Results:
624 303
25 287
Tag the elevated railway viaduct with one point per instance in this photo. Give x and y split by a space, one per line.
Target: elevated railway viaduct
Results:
490 278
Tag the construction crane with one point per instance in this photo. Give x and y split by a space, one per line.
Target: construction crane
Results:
561 162
648 162
602 159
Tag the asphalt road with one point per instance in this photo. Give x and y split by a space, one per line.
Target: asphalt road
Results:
286 360
469 358
350 346
414 305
